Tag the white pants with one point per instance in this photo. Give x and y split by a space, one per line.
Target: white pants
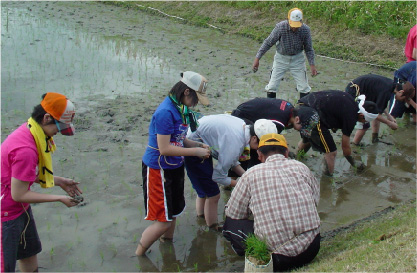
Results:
296 64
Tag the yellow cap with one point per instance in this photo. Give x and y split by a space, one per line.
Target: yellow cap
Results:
273 139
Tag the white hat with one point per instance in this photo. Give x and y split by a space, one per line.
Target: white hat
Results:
263 127
295 16
198 83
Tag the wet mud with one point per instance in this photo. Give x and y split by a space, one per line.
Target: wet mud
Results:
117 65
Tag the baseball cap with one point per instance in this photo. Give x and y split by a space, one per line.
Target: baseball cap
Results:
197 83
263 127
295 16
368 108
308 119
273 140
62 110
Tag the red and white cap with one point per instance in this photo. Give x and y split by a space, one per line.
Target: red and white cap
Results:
61 109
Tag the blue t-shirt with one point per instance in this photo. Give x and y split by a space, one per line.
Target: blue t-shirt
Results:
407 72
165 121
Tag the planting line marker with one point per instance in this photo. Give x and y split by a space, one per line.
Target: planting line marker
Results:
172 16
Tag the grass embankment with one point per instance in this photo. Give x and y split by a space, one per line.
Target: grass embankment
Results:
386 243
362 31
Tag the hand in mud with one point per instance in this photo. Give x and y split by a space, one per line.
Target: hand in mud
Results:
69 201
292 155
359 166
70 187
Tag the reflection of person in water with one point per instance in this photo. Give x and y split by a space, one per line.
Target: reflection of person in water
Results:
203 251
202 255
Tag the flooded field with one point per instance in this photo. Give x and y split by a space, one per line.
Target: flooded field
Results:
117 65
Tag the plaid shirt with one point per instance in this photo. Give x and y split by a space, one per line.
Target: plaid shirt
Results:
289 42
282 195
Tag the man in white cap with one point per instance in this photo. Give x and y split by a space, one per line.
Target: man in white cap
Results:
227 136
291 37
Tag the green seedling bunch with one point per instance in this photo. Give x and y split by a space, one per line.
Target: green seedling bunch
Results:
257 248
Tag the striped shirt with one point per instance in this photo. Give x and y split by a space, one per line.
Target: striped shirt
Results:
282 195
289 42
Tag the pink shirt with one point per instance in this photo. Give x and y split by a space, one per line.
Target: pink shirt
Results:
410 44
19 159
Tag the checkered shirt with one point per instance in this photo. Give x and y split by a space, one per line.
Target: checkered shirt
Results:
282 195
289 42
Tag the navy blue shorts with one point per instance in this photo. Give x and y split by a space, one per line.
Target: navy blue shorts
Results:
398 108
15 246
200 174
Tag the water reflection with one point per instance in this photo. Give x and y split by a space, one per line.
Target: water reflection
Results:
41 54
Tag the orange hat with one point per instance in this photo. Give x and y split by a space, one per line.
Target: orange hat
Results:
272 139
60 108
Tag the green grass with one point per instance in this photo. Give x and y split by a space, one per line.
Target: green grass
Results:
387 244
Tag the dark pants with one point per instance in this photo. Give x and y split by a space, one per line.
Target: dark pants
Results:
236 232
17 246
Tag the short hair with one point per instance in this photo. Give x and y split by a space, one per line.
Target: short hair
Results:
38 112
178 91
272 149
371 107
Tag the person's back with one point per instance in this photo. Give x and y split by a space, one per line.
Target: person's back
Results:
283 201
265 108
337 109
376 88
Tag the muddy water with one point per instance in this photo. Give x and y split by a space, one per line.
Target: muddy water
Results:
117 65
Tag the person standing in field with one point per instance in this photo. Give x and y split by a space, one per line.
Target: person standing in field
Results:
228 137
26 158
411 45
291 38
282 195
163 161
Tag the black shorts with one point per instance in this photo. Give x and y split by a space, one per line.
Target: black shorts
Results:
321 139
15 246
163 193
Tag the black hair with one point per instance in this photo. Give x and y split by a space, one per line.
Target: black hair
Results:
38 113
272 149
371 107
178 91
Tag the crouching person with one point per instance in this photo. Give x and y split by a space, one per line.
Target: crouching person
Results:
282 195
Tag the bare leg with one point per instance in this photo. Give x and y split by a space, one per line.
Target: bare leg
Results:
358 136
330 158
151 234
169 234
210 210
29 264
199 206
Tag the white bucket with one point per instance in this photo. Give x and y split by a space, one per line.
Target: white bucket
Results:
251 267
